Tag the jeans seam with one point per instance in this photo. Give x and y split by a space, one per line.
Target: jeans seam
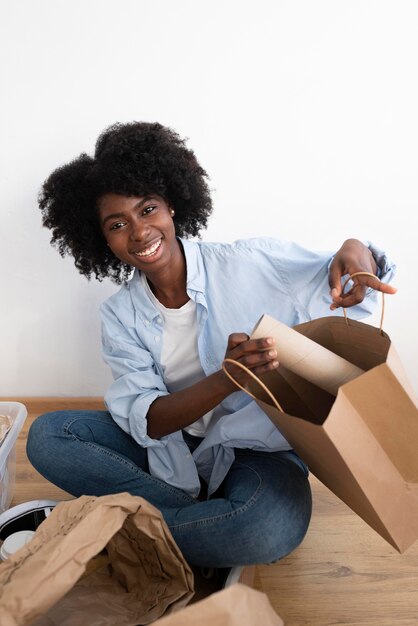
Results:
208 520
296 460
70 421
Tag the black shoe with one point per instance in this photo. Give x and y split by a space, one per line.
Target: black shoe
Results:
25 516
209 580
224 576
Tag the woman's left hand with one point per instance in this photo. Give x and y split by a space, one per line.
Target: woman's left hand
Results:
352 257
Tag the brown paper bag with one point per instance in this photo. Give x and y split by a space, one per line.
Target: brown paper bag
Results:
236 606
108 560
363 443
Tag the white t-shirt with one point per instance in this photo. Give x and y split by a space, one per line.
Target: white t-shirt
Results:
179 353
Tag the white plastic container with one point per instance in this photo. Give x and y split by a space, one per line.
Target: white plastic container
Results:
14 542
18 413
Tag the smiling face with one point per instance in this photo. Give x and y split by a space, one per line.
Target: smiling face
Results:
140 232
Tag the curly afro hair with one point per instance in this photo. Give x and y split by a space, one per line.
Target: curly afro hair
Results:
132 159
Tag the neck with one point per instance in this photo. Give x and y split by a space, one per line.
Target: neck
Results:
169 287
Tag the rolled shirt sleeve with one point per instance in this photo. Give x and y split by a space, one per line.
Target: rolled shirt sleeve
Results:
306 275
386 271
136 382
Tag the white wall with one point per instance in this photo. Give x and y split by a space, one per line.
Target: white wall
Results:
304 114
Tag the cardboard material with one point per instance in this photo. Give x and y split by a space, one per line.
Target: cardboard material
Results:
108 560
307 358
237 605
362 444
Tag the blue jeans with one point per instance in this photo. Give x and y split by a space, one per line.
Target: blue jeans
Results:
259 514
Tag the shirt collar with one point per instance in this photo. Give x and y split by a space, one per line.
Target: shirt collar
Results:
194 266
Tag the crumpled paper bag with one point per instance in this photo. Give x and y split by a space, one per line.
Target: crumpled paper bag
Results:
109 560
237 605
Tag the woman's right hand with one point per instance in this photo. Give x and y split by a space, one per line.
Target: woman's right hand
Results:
258 355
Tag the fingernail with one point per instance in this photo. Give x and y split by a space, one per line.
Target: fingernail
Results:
269 340
275 364
272 353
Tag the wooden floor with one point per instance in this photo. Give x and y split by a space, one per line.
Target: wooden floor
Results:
343 573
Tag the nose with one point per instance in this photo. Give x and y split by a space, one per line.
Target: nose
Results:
139 230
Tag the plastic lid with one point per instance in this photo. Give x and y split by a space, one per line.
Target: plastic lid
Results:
14 542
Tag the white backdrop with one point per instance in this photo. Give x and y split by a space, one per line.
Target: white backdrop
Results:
303 113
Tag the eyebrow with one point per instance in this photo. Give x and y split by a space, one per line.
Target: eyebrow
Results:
112 216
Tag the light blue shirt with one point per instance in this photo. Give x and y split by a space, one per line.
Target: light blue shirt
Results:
233 285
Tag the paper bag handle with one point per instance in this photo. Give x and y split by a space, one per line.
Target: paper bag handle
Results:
254 377
262 385
383 296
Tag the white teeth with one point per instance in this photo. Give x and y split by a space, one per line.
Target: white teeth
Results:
150 250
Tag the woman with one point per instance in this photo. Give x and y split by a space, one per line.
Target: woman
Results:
177 431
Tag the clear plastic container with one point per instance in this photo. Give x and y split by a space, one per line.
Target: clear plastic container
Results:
17 412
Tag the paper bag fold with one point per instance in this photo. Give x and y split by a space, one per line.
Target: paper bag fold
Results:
237 605
142 573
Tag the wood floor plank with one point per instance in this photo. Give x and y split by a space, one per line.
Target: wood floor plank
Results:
30 485
342 574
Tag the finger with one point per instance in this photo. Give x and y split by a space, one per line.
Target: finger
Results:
243 377
374 283
351 298
383 287
251 345
267 367
261 358
358 291
235 339
334 279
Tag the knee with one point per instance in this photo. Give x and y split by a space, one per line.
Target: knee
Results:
277 532
291 532
40 435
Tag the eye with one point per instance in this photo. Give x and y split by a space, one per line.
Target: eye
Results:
117 226
149 209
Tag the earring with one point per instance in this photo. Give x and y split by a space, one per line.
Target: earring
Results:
172 213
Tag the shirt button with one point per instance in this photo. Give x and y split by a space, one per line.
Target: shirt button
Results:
159 320
147 322
156 339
